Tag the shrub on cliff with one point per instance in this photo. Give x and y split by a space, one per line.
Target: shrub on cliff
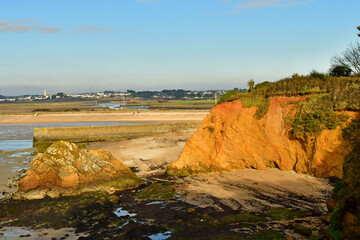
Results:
230 96
297 85
315 115
345 93
257 98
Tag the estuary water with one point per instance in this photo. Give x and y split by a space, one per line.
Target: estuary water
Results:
19 136
16 147
121 106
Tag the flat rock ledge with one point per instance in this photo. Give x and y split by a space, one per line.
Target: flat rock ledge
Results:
64 169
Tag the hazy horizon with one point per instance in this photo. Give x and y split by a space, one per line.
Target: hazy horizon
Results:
31 90
86 46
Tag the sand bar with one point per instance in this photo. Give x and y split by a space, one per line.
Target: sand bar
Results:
148 116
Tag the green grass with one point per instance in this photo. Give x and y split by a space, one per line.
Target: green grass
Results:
32 107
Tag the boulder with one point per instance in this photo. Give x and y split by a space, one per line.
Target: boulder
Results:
231 138
64 170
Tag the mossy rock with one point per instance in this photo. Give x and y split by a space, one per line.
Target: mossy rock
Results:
157 191
278 214
41 147
191 172
242 217
302 230
268 235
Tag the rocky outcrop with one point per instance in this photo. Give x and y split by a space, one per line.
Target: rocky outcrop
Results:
232 138
64 169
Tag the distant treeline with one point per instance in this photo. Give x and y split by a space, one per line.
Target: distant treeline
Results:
172 94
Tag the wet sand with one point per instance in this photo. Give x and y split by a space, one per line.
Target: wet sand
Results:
16 162
136 116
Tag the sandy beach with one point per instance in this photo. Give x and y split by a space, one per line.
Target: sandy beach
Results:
248 189
149 156
136 116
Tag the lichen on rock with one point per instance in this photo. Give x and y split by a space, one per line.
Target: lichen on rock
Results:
64 169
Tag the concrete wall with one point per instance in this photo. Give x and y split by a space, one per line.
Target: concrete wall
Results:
102 133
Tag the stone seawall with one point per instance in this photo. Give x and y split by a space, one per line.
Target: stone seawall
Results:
103 133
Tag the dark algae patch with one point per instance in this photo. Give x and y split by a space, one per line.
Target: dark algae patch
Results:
54 213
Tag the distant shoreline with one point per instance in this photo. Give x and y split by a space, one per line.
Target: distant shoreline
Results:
133 116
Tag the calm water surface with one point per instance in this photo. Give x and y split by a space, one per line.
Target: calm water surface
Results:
19 136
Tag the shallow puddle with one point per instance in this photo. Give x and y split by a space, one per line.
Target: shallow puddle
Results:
160 236
155 203
120 212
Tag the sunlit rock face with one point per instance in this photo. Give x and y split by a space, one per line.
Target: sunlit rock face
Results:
64 169
231 138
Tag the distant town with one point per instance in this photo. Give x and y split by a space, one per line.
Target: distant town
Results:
118 95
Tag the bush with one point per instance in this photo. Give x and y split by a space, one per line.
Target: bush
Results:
316 74
315 115
340 71
230 96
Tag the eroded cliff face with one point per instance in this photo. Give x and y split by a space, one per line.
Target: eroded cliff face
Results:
232 138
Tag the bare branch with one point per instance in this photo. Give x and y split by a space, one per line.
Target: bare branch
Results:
350 57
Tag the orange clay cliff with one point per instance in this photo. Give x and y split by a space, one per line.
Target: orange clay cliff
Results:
231 138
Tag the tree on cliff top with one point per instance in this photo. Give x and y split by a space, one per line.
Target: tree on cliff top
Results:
359 30
350 57
340 71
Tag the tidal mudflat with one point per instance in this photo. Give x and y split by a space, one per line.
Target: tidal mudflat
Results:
247 204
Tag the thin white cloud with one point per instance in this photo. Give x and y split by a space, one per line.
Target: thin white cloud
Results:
28 20
24 26
89 28
251 4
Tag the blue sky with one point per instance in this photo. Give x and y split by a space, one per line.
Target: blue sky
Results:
93 45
